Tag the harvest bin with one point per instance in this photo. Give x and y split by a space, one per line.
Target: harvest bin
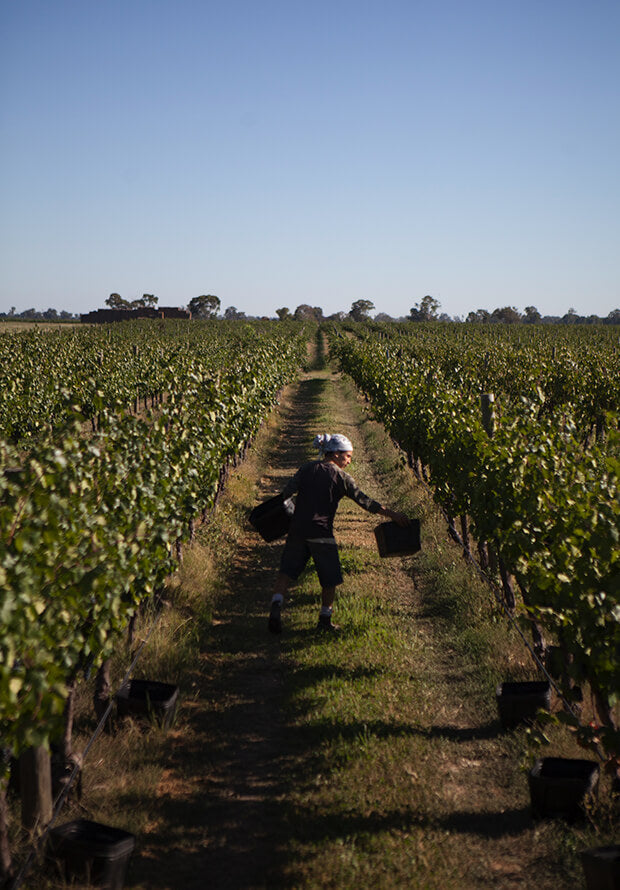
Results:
148 698
398 540
560 787
601 867
519 702
92 852
272 518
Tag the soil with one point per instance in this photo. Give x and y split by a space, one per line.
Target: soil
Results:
228 777
224 789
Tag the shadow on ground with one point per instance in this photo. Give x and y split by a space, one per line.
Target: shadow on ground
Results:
223 817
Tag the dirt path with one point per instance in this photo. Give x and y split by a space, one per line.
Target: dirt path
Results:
228 805
223 789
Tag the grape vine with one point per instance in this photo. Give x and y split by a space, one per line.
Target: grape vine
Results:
89 511
544 487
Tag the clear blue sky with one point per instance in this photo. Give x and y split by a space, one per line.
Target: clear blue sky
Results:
278 152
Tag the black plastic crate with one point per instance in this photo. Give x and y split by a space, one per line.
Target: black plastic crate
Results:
561 787
601 867
148 698
398 540
91 852
272 518
518 702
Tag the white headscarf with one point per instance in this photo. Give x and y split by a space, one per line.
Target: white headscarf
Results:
327 443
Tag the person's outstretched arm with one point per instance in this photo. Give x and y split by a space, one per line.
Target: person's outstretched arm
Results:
395 516
354 492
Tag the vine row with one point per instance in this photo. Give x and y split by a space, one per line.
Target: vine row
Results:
89 520
538 502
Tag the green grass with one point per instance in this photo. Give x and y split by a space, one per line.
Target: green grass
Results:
389 766
397 713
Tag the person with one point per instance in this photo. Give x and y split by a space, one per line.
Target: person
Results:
319 485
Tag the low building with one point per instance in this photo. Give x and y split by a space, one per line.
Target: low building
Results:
101 316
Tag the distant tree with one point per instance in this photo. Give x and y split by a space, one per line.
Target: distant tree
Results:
506 315
233 314
205 306
571 317
283 313
383 316
12 311
425 310
361 309
613 317
50 314
480 316
304 312
115 301
66 315
532 315
146 300
337 316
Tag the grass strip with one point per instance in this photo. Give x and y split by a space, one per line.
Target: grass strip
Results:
375 759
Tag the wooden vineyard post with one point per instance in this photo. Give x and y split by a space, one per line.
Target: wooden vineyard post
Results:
453 532
131 630
64 761
103 685
483 555
508 584
66 748
35 775
537 632
465 534
411 462
487 405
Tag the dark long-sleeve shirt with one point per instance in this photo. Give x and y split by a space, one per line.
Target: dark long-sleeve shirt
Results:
320 485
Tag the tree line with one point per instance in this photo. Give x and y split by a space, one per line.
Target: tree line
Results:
39 315
427 309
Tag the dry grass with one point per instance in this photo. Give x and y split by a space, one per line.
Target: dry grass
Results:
416 784
373 760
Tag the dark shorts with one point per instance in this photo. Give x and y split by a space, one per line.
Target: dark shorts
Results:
297 552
